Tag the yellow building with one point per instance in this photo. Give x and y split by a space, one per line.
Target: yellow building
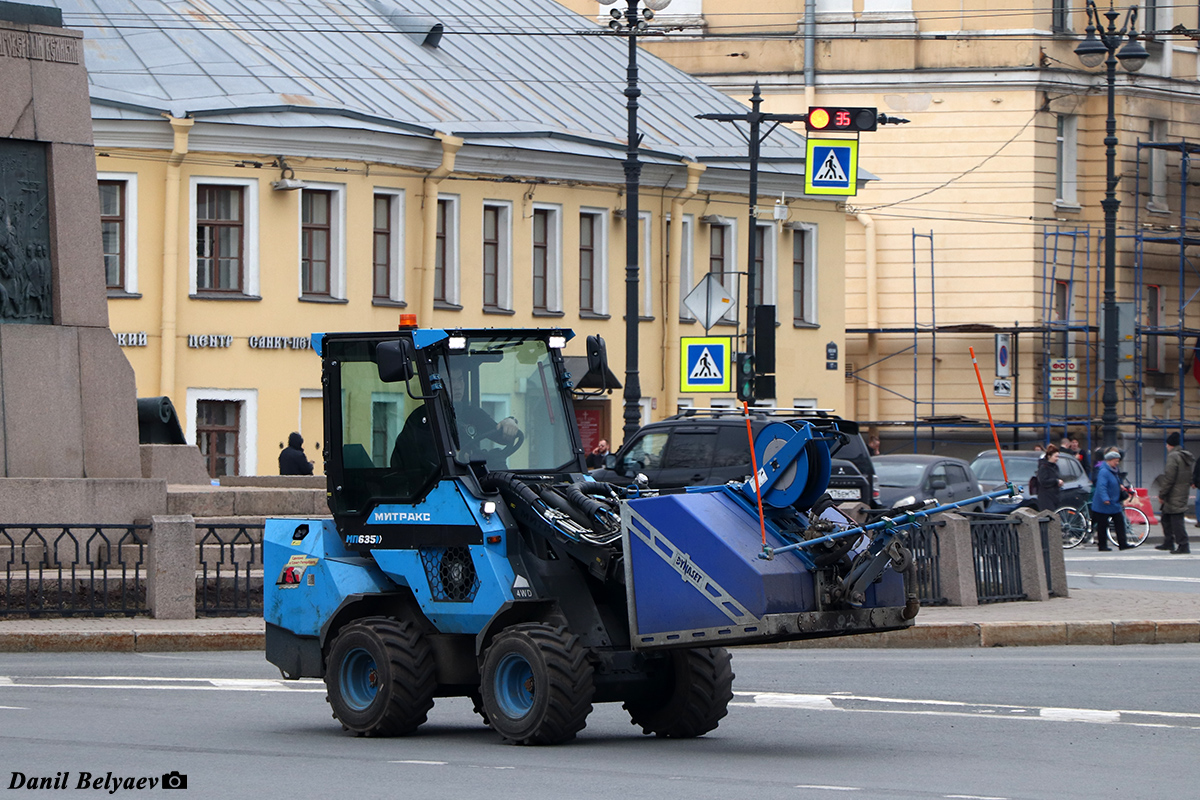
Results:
987 214
416 166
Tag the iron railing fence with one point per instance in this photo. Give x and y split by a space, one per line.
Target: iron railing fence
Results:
229 578
73 570
996 551
927 560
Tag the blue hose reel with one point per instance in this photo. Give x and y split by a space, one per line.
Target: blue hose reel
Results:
793 466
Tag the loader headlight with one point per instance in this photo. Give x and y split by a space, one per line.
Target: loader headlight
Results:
488 508
457 343
557 342
905 501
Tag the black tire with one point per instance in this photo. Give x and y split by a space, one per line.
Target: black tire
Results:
380 676
693 697
537 684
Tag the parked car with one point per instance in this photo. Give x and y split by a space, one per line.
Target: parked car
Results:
710 447
908 479
1022 465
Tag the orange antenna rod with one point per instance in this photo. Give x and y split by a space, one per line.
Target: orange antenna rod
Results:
762 523
983 394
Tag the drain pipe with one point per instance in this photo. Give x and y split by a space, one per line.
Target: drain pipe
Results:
169 314
674 270
872 315
450 147
810 61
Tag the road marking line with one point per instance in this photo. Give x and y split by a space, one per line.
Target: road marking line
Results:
972 797
829 788
13 708
1079 715
1127 577
422 763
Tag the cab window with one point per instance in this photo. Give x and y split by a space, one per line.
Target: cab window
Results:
646 452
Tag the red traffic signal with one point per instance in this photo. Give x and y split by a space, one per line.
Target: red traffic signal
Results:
826 118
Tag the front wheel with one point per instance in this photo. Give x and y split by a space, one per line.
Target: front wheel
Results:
1137 527
694 696
1075 526
380 676
537 684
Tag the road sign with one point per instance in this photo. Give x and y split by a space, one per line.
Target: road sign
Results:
1064 393
1060 364
709 300
1003 355
1002 387
831 166
705 364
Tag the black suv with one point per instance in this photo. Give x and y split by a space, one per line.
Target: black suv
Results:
709 447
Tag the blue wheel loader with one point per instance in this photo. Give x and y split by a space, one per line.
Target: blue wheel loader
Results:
469 553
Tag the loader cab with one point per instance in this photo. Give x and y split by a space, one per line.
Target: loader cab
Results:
406 410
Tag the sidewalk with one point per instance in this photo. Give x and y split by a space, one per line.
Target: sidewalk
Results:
1088 616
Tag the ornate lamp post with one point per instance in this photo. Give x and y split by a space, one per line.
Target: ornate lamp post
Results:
631 23
1093 50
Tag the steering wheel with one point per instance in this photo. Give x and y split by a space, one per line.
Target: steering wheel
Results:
504 451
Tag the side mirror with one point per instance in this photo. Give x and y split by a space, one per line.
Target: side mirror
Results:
610 462
937 484
394 360
597 358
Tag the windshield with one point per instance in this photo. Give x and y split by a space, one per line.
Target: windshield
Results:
892 474
1020 470
508 405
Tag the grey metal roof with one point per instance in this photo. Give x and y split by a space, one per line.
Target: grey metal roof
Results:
532 73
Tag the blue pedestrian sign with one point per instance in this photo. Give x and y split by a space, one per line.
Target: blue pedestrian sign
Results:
705 364
831 166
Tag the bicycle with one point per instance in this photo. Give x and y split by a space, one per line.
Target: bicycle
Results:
1077 526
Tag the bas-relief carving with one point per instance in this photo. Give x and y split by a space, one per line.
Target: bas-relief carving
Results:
25 291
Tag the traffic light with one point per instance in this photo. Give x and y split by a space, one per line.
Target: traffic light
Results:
850 120
745 377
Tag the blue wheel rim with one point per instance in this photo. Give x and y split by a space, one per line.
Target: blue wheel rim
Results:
359 679
513 685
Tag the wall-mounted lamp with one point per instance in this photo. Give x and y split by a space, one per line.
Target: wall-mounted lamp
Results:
288 182
715 219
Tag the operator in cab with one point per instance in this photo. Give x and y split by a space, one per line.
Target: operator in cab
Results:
476 426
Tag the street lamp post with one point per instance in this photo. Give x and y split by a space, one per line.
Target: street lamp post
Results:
631 23
1092 51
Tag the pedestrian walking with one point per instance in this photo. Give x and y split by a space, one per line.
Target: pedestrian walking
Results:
292 460
1173 487
1048 480
1106 502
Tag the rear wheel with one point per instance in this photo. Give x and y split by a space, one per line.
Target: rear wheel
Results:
537 684
1074 526
1137 527
698 685
380 677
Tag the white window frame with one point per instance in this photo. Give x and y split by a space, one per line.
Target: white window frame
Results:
129 245
730 277
337 238
770 259
687 267
396 254
1066 161
554 259
646 263
600 259
250 227
810 260
645 410
504 270
453 288
247 421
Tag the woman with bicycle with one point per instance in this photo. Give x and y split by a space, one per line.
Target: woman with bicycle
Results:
1106 502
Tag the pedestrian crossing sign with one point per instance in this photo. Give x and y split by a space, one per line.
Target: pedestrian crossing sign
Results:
831 166
705 364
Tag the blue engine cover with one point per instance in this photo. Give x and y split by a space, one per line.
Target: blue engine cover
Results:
694 564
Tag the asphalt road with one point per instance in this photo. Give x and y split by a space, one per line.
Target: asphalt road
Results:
1141 569
1056 723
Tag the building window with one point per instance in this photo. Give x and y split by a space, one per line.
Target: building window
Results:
218 425
1150 18
646 263
587 262
112 232
764 264
1060 16
687 276
804 275
1154 320
497 257
1062 318
220 238
1158 167
1066 176
316 229
547 260
385 252
718 250
223 235
445 256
